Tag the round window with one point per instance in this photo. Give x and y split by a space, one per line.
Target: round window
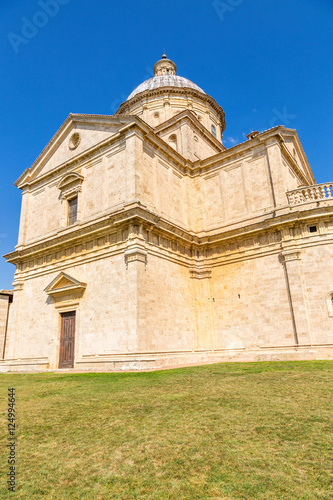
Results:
74 141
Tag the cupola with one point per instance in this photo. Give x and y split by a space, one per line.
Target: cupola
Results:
165 67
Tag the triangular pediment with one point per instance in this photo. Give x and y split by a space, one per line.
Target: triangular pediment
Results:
63 283
294 154
78 135
197 141
188 119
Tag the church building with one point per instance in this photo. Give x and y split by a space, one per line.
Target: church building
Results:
144 242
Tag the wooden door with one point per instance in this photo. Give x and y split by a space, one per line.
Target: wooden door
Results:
67 338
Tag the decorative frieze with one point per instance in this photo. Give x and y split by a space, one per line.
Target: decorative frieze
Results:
168 241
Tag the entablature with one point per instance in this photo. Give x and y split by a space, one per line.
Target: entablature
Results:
112 236
138 99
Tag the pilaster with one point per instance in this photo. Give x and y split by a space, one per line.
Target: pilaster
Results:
136 261
201 280
291 260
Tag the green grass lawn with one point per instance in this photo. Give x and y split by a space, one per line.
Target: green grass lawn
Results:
222 431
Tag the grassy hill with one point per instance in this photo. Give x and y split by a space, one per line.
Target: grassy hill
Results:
222 431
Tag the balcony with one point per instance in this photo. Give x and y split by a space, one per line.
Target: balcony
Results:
309 194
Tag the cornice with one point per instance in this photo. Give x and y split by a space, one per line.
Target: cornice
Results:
288 132
275 134
93 229
138 215
289 157
81 157
67 124
184 91
182 164
235 150
137 124
274 223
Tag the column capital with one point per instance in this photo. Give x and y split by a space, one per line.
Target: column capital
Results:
289 255
200 272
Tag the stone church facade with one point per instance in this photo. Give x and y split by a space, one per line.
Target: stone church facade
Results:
145 243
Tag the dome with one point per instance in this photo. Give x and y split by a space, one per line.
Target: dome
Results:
165 75
164 81
167 94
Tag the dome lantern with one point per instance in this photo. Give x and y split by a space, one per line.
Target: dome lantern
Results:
165 67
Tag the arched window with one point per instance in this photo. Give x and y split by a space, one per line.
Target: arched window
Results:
214 130
70 187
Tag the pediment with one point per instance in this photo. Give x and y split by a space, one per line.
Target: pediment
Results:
188 120
64 284
70 185
296 156
69 179
76 136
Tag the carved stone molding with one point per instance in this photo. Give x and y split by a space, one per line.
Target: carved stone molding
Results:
64 285
290 255
201 273
74 140
70 185
136 253
18 286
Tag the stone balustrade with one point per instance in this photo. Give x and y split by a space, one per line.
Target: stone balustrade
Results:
308 194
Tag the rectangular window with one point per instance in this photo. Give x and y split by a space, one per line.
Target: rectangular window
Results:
72 211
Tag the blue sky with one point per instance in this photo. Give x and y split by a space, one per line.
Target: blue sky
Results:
266 63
